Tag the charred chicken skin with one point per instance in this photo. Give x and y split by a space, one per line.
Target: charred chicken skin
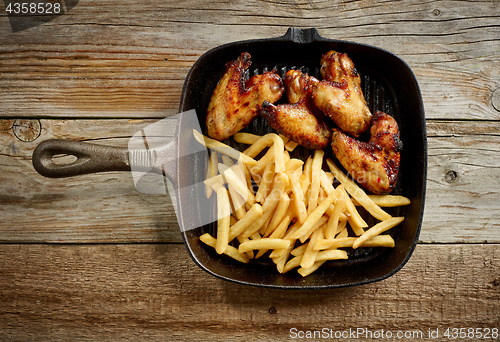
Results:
298 120
235 103
373 164
339 94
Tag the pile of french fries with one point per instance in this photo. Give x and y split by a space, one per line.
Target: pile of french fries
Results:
288 207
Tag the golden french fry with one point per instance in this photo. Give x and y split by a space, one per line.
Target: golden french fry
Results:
309 256
264 243
325 182
259 145
293 164
266 183
377 229
298 251
331 254
240 239
356 192
239 185
243 224
320 224
388 200
223 219
290 145
307 271
314 216
292 263
279 149
238 202
333 220
279 214
315 180
246 138
222 148
230 250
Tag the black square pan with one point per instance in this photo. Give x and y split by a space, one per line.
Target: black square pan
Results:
389 85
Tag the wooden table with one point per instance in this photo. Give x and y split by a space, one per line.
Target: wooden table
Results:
90 258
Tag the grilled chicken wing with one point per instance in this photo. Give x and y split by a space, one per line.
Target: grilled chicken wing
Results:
339 94
235 104
373 164
298 120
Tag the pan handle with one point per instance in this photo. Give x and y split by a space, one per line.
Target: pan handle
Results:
302 36
91 158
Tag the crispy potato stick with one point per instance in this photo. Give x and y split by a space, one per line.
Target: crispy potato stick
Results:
293 164
377 229
270 203
242 224
279 214
290 145
325 182
353 215
264 243
331 254
314 217
347 242
306 271
281 261
343 233
241 240
227 161
323 220
388 200
264 161
279 148
356 192
315 180
222 148
223 220
309 256
238 202
214 180
292 263
246 138
265 184
304 185
211 172
239 185
285 139
280 231
214 160
230 250
333 220
259 145
301 249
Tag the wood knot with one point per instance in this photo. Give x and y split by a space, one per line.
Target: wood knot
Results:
272 310
27 130
495 99
450 176
436 12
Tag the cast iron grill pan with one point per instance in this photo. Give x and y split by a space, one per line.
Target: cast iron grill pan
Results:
388 85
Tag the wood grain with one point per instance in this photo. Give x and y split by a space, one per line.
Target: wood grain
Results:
462 195
105 59
155 292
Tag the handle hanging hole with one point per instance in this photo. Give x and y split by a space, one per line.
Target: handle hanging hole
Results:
64 159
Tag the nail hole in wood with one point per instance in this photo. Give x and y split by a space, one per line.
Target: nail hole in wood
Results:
27 130
495 99
450 176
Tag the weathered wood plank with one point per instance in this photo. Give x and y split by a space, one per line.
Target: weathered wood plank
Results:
129 59
462 195
155 292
